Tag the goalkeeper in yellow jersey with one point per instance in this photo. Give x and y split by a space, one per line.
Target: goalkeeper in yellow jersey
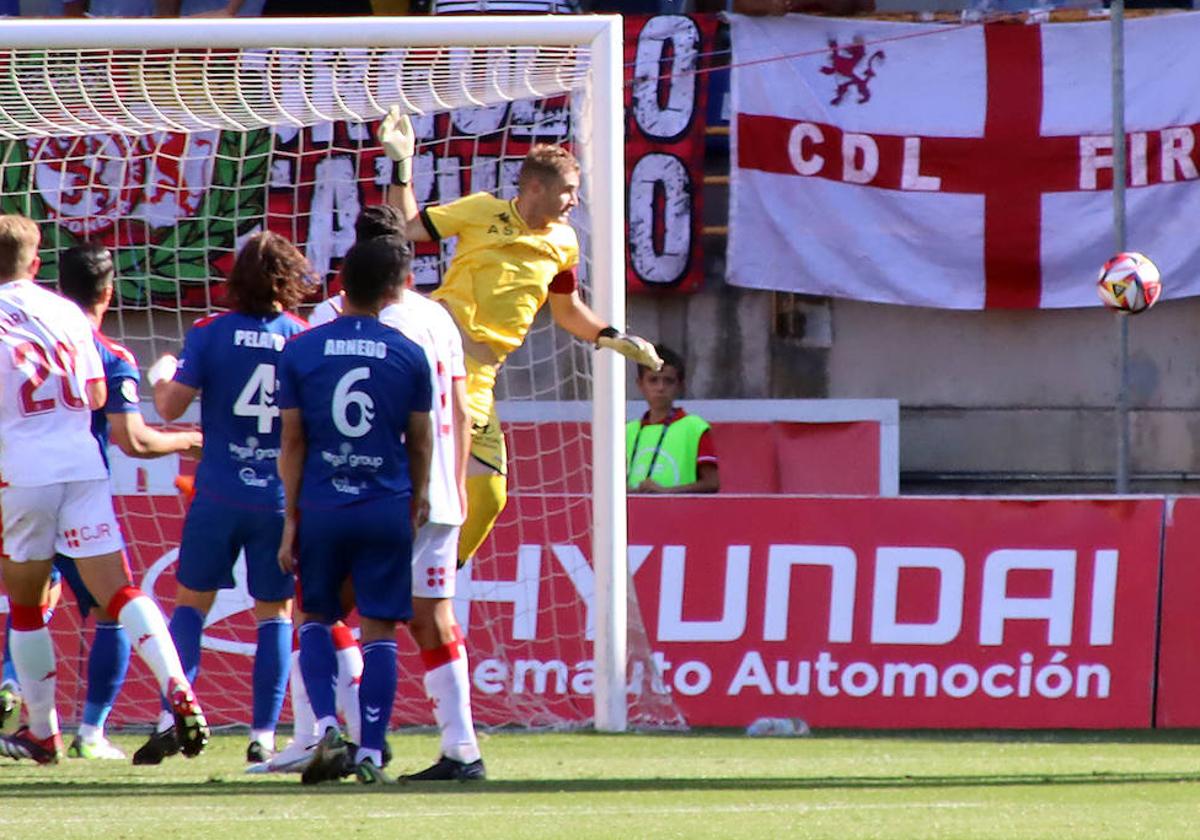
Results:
511 257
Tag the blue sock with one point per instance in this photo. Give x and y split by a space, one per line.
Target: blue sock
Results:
9 672
271 661
377 691
318 666
107 663
187 626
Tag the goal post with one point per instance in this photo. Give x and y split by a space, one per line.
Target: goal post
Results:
65 80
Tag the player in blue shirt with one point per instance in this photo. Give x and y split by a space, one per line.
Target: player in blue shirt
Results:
230 360
86 274
357 443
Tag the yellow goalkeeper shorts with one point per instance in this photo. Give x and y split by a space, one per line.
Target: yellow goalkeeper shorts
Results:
487 439
481 399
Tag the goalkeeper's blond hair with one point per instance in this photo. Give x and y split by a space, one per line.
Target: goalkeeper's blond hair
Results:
546 161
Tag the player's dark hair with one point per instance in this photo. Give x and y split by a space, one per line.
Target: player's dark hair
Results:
378 220
269 270
546 161
670 358
84 272
375 268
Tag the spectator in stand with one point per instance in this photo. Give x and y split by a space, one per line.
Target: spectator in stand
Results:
783 7
496 7
138 8
669 450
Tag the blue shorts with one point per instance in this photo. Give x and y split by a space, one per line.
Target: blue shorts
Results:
214 533
65 569
370 543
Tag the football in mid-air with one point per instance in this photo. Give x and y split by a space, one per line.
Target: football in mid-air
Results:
1129 283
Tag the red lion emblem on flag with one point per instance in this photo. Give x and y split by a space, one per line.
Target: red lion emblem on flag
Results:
844 63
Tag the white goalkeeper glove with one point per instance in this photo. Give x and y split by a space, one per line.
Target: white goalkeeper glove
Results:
399 144
631 347
163 370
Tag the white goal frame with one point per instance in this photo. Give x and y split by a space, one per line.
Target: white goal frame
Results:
601 122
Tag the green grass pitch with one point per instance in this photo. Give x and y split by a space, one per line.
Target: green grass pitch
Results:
847 786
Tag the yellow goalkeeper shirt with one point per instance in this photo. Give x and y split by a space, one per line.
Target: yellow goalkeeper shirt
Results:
501 271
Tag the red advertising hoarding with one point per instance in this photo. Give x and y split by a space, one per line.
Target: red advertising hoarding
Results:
848 612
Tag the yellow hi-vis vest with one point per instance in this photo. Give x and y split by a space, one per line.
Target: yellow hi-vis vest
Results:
665 452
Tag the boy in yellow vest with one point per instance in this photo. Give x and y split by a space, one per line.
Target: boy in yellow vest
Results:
669 450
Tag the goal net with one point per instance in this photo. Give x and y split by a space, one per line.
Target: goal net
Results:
173 141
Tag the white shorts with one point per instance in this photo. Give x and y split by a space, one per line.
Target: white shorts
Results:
435 561
74 518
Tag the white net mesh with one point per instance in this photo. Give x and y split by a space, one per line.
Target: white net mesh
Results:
60 93
172 157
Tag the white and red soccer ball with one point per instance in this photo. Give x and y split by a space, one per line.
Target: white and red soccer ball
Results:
1129 283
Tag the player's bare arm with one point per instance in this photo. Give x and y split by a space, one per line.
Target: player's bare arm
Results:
292 450
128 430
418 440
577 318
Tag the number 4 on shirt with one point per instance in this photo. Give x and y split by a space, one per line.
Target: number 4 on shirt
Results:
257 398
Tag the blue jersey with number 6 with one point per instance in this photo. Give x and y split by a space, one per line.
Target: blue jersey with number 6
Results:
233 360
355 381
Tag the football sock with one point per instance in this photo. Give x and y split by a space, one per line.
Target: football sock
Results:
186 629
318 665
147 629
377 692
447 684
349 675
486 497
8 673
270 676
33 659
108 661
304 721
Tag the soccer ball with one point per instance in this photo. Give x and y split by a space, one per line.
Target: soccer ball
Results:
1129 283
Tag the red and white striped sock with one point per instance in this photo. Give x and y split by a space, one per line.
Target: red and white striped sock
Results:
33 659
147 629
447 684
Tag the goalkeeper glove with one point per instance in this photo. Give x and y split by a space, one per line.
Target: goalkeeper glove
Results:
630 346
163 370
399 144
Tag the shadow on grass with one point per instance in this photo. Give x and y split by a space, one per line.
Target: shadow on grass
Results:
50 788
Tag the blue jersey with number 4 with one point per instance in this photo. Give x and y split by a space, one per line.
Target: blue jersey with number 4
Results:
233 360
355 381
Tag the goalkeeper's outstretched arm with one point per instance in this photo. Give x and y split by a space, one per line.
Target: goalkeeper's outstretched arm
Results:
577 318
